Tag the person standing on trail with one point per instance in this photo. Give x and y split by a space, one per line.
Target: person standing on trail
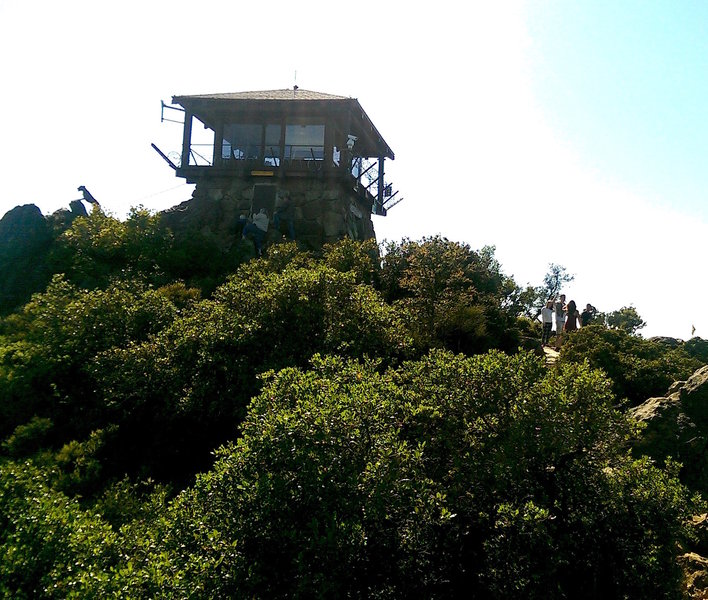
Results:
560 309
587 315
571 322
547 319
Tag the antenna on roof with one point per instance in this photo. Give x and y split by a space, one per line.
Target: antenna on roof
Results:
295 86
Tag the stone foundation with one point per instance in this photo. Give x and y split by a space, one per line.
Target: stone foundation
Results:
321 211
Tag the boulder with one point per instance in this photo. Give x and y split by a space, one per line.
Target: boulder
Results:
671 342
695 569
25 239
699 527
22 229
677 426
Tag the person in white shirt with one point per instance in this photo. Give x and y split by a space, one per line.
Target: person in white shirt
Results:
547 320
257 230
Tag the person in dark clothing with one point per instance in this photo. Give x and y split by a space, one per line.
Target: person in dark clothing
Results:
284 216
587 315
571 322
241 223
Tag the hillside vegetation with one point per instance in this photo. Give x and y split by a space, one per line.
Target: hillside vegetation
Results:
183 421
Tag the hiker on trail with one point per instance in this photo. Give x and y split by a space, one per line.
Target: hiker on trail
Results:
587 315
256 230
560 313
547 319
571 322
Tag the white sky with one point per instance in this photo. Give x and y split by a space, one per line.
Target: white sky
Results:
505 132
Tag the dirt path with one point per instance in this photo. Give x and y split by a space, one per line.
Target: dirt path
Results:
551 355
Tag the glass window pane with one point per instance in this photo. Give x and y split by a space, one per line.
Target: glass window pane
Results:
242 141
304 142
272 135
272 145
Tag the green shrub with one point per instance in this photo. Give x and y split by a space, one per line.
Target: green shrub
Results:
48 544
28 438
193 381
639 368
483 477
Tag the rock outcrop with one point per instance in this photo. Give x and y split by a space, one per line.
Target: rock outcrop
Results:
26 237
677 426
695 568
671 342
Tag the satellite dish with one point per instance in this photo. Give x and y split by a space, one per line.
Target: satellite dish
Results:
176 158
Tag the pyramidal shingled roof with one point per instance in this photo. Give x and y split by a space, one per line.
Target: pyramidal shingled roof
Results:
211 109
284 94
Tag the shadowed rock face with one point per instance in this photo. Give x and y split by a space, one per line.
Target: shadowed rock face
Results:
22 229
677 426
26 237
320 212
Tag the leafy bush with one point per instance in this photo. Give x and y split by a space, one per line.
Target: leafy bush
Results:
360 258
697 348
639 368
356 474
99 247
484 477
28 438
49 344
48 544
450 295
626 319
193 381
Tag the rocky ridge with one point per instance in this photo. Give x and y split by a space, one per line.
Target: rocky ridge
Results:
677 426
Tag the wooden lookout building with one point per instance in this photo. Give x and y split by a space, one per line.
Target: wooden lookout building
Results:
317 155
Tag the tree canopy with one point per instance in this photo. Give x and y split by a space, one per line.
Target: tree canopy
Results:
178 421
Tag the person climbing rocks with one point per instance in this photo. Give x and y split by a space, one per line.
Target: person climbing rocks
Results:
256 230
241 223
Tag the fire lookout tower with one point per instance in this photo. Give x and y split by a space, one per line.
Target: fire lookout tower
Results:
315 157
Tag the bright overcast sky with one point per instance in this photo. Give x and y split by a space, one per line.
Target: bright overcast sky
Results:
568 132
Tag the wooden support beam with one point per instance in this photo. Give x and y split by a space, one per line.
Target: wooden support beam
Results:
186 138
218 143
380 195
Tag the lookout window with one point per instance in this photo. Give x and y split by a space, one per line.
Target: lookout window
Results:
242 141
304 142
272 145
201 148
